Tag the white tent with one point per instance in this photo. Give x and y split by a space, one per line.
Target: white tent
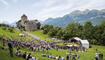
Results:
76 38
84 43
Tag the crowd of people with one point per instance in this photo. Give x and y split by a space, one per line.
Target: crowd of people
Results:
73 56
44 47
25 55
39 46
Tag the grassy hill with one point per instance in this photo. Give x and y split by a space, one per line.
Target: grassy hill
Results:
4 54
39 33
11 33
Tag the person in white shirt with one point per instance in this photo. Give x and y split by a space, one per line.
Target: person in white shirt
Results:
57 58
33 58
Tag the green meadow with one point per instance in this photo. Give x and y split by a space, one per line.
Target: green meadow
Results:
90 55
4 54
39 33
14 34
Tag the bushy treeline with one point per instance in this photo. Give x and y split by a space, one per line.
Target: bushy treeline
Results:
7 27
94 34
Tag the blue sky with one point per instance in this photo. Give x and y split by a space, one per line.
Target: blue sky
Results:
11 10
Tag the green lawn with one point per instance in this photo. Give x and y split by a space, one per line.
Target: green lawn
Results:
39 33
90 55
4 55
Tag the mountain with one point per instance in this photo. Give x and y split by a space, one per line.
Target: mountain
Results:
95 16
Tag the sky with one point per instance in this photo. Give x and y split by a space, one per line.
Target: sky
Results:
12 10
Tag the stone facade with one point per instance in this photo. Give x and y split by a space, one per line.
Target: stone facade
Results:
30 25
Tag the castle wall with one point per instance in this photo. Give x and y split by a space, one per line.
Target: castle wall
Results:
30 27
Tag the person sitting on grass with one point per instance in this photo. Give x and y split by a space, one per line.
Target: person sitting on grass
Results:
57 57
33 58
63 58
53 57
24 55
17 51
20 54
4 45
49 56
43 54
29 56
37 58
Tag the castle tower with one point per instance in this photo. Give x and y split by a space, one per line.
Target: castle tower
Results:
23 19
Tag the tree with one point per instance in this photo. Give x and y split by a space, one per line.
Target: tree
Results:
47 28
103 38
73 29
20 26
4 25
38 25
101 34
94 34
53 32
88 30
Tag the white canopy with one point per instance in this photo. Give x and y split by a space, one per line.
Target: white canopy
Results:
84 43
76 38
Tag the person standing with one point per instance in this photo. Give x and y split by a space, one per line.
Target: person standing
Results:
67 55
10 45
96 57
78 56
70 55
73 57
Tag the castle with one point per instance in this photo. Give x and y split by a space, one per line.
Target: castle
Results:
29 25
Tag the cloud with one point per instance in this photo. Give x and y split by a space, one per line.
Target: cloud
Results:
4 2
57 8
92 4
43 9
52 8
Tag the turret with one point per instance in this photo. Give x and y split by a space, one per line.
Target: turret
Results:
24 17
